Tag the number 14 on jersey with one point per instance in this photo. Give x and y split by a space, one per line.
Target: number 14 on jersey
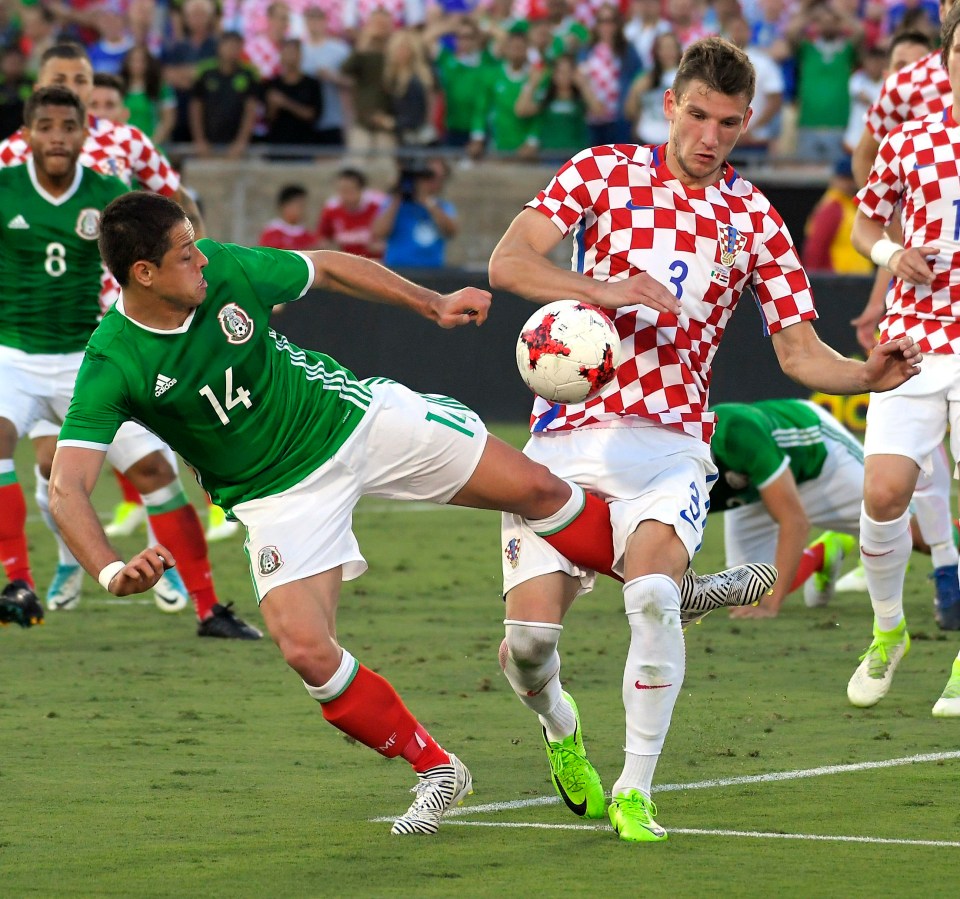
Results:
231 398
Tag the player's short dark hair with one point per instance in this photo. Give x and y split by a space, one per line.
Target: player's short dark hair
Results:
64 50
720 65
949 30
52 96
911 36
354 175
109 80
134 227
290 192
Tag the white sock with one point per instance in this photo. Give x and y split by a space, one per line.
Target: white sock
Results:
342 678
931 505
531 663
64 556
885 548
655 662
563 516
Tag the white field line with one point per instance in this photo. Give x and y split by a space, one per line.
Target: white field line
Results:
722 782
696 831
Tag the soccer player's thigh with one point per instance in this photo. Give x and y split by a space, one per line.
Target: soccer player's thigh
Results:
832 500
953 413
133 443
911 420
417 446
749 535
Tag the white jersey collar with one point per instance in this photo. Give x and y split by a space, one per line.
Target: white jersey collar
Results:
52 200
181 330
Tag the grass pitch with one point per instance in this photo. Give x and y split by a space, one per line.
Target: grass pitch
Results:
139 760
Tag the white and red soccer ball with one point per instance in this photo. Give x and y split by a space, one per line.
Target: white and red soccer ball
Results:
568 351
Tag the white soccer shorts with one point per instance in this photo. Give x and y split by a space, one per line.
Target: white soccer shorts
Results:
645 473
36 386
408 446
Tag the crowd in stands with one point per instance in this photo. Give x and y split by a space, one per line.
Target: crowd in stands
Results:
522 79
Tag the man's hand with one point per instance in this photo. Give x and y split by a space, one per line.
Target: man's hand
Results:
639 290
892 363
913 265
465 306
142 572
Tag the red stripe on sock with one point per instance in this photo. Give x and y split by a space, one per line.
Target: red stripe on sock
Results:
810 561
13 536
423 752
588 539
372 712
130 493
181 532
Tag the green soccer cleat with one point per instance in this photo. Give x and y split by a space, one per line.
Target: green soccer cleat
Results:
127 517
574 778
874 675
948 705
819 588
631 816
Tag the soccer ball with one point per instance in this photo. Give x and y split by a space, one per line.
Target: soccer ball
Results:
568 352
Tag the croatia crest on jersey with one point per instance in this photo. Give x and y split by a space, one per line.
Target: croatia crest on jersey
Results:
732 242
235 323
269 560
88 224
512 552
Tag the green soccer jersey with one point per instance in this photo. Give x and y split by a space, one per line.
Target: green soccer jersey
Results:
50 266
249 411
754 443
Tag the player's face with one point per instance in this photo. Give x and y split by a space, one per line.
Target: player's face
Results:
74 74
56 137
107 103
906 53
953 67
179 277
704 126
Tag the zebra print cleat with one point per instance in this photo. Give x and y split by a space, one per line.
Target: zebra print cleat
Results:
742 585
440 788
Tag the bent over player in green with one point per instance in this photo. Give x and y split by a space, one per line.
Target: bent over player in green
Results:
288 440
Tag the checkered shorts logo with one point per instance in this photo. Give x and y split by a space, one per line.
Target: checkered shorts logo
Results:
269 561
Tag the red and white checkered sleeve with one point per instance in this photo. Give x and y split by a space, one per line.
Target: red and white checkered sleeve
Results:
890 108
879 197
782 287
571 191
13 150
150 167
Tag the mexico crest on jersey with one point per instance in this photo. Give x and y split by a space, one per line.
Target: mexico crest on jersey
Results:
88 224
235 323
732 242
269 560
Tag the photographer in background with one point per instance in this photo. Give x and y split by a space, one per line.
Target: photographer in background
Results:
417 222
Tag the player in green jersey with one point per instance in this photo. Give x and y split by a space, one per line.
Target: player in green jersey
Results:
288 440
48 248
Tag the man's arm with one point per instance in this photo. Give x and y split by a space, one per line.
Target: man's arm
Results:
519 264
782 500
912 265
807 360
368 280
863 156
74 475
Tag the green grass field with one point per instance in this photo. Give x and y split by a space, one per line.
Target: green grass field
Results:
138 760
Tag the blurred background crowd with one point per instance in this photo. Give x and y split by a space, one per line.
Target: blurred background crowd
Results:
448 82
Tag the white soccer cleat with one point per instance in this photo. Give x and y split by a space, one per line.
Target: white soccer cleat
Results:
874 675
948 705
170 593
742 585
854 581
64 590
440 788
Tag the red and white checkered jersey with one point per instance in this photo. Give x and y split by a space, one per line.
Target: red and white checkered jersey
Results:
120 150
628 214
263 54
918 165
916 91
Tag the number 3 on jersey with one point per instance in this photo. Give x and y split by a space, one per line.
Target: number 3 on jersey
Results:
231 399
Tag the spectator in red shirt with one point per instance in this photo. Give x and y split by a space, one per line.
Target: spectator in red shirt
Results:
287 231
347 218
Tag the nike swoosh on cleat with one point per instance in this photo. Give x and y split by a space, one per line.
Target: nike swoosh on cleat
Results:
165 601
578 808
640 686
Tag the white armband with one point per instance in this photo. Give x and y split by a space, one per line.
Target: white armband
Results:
109 572
882 251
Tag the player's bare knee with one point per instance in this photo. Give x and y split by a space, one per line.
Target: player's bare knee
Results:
8 438
884 501
545 492
315 660
151 473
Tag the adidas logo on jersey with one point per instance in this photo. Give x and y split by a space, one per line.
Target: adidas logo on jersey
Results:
19 223
163 385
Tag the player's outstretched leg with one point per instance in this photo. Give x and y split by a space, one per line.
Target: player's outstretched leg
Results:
819 588
19 605
948 705
742 585
531 663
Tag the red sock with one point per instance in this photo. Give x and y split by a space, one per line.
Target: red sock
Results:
371 712
810 561
13 534
588 539
130 494
423 752
181 532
